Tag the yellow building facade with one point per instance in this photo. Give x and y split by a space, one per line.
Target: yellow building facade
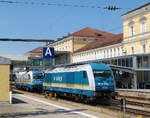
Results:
71 43
136 41
4 79
98 53
136 30
78 40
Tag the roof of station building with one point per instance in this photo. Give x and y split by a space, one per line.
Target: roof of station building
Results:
36 50
91 32
118 38
88 32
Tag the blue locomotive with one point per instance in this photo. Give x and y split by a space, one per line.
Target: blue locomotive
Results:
29 80
92 80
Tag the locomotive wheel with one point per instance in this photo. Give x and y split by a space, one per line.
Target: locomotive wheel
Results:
28 89
48 95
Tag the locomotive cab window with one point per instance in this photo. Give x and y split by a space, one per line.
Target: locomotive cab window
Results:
103 74
38 76
84 74
29 77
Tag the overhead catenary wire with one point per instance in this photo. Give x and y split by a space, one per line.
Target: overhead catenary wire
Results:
109 7
66 5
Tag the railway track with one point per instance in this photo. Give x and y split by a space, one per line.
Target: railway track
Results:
113 107
145 114
134 98
131 102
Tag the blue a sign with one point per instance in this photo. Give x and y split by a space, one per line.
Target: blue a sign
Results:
48 52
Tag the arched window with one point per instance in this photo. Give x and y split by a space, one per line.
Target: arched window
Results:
110 52
132 50
131 28
104 54
118 51
144 48
142 25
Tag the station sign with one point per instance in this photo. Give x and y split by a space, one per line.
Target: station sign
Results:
48 52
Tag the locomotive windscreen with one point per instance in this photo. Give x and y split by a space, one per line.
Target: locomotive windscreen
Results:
103 74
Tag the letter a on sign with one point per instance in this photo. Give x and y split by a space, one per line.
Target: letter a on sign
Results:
48 52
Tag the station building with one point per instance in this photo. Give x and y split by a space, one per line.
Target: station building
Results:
66 46
136 42
100 49
129 57
128 53
4 80
77 40
36 60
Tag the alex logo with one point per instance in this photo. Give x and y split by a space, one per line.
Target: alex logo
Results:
103 84
58 79
48 52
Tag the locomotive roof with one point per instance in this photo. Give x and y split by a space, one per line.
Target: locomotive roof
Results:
79 67
100 66
36 71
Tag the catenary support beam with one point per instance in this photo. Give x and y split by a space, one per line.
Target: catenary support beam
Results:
27 40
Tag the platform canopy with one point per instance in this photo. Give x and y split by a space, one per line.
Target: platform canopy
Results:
4 60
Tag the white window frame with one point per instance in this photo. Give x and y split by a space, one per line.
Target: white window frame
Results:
143 25
143 49
131 29
132 50
118 51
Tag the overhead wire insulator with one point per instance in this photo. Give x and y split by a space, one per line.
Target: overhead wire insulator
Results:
112 8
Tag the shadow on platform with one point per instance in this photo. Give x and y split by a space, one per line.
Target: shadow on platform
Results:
17 101
40 112
16 92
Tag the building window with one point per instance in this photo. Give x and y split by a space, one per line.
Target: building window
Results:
118 51
131 29
114 51
104 54
145 76
110 52
143 25
107 53
144 48
132 50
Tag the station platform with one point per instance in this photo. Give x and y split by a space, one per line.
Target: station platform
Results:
139 93
28 106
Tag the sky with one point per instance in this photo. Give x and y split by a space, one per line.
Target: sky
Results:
37 21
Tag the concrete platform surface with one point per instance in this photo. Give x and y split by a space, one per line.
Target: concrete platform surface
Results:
31 107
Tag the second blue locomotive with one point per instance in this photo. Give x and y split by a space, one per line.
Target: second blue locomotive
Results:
29 80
